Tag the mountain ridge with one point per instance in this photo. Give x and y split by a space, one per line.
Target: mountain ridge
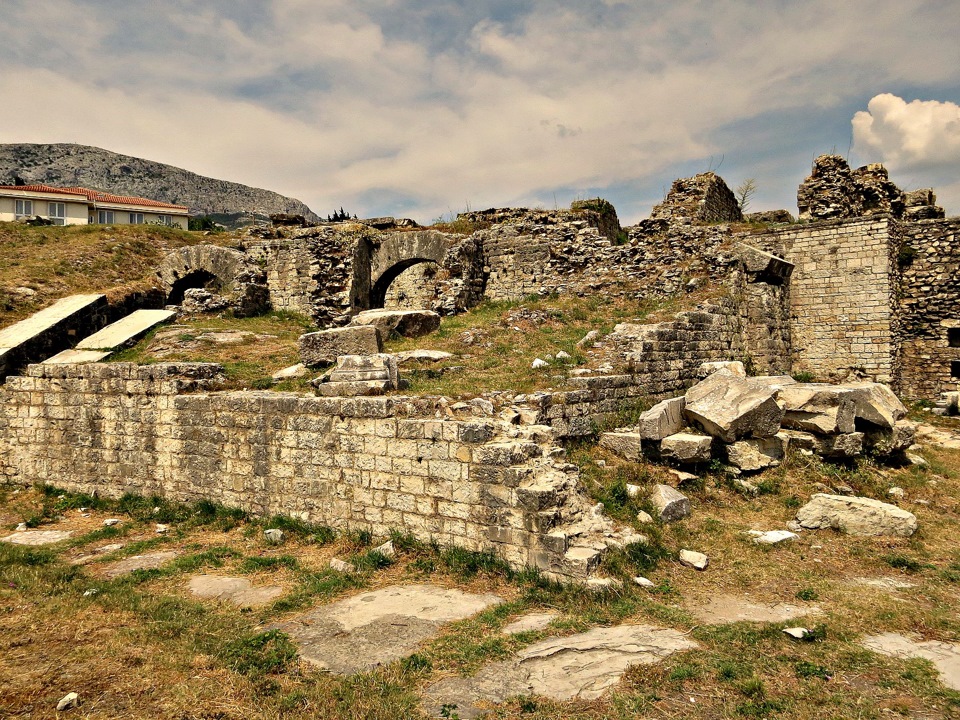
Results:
69 164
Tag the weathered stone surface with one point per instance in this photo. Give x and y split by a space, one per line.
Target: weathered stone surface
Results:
127 330
734 367
686 448
582 666
361 375
671 505
406 323
325 346
530 622
37 537
756 453
721 609
840 446
694 559
772 537
944 656
147 561
292 372
380 626
891 442
819 408
421 355
663 419
75 357
727 407
856 516
627 445
798 440
876 404
238 591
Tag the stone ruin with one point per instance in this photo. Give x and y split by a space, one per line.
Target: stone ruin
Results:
856 294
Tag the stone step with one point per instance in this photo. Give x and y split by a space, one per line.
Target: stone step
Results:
126 330
77 357
48 331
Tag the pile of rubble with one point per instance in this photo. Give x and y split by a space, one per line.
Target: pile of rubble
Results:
750 422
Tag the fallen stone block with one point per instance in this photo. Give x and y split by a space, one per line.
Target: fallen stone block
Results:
663 419
798 439
729 408
877 405
407 323
891 442
856 516
694 559
757 453
325 346
840 446
733 366
671 505
818 408
686 448
623 444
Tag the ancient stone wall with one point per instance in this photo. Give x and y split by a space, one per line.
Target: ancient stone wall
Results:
373 464
929 261
843 297
703 198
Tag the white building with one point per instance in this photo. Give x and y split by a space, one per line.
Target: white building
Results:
79 206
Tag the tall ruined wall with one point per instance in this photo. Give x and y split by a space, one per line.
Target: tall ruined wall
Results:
843 297
930 307
375 464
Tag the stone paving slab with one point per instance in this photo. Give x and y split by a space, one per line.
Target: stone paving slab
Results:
722 609
126 330
380 626
944 656
238 591
147 561
582 666
530 622
77 357
37 537
43 320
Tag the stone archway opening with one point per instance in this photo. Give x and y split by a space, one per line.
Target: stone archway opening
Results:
381 287
201 279
414 288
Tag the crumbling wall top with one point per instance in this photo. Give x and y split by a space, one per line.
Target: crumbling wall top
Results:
703 198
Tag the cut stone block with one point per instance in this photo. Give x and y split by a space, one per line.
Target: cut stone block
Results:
671 504
77 357
856 516
126 331
686 448
238 591
663 419
733 366
325 346
757 453
890 442
625 444
819 408
798 440
840 446
729 408
408 323
877 405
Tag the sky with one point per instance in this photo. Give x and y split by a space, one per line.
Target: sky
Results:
426 108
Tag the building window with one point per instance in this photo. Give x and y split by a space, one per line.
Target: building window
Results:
58 213
136 218
105 217
163 219
24 208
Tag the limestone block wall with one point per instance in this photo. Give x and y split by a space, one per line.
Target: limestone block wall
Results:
843 297
930 307
375 464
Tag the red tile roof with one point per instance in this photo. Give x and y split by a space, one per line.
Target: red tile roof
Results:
96 196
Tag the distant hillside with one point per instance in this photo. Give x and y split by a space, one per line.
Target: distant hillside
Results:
67 164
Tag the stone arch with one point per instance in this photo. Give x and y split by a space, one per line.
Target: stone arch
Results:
223 271
400 251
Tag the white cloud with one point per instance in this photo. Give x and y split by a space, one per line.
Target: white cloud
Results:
438 103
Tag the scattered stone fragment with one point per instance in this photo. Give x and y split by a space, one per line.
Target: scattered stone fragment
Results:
601 584
238 591
686 448
563 355
671 505
797 632
694 559
722 609
728 407
161 528
885 583
916 460
644 582
772 537
147 561
582 666
406 323
70 700
633 490
794 526
274 536
292 372
37 537
538 363
745 486
341 566
386 549
735 367
110 522
944 656
896 492
529 623
627 445
589 339
644 518
379 626
856 516
21 527
756 453
421 355
90 593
